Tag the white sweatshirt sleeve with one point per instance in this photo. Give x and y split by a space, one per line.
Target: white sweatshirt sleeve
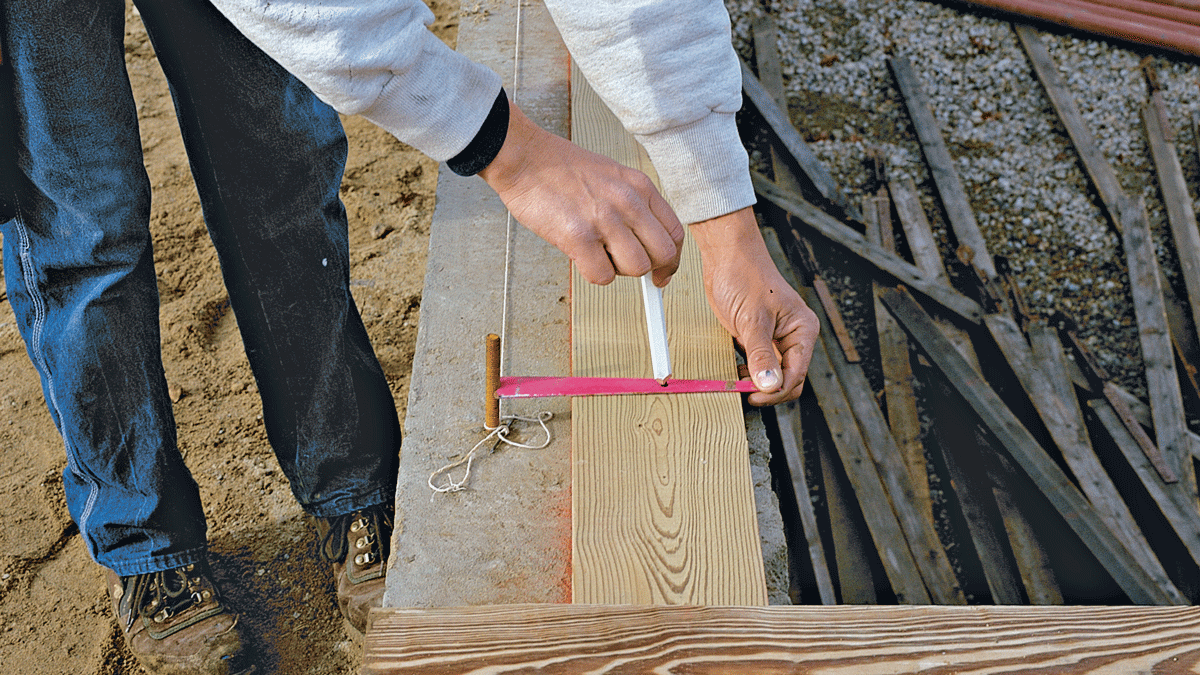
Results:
378 59
668 70
666 67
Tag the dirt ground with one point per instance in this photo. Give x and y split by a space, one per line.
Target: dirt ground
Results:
54 615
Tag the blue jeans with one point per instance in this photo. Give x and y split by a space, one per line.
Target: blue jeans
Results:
267 158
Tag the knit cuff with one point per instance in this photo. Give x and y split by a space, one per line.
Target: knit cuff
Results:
482 149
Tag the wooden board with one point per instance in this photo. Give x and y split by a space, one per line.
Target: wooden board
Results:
1021 446
1041 370
886 532
889 263
1158 356
787 416
1180 212
656 479
898 394
889 467
573 639
779 122
941 165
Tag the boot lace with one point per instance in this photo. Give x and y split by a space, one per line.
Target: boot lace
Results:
370 526
159 596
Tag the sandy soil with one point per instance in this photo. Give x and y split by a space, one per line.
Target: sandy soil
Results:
54 615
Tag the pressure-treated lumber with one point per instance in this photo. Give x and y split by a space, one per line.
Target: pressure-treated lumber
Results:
1021 446
573 640
941 165
843 235
1041 370
657 480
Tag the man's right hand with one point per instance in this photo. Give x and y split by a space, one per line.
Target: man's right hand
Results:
607 218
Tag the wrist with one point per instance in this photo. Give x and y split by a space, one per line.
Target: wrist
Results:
733 232
509 161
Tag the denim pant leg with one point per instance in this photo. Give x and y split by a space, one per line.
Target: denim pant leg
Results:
268 157
80 277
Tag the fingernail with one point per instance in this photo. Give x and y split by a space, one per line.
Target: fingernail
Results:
767 380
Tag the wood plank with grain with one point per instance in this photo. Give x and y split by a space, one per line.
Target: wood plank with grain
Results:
894 357
656 479
1158 356
575 639
787 416
1182 328
1181 215
1024 449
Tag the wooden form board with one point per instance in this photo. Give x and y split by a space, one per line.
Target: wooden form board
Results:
663 504
577 639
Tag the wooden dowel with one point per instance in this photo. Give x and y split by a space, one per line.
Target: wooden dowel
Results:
491 381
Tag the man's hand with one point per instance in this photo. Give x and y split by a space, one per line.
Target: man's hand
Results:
607 218
753 302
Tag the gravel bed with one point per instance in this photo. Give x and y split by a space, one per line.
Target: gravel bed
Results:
1031 196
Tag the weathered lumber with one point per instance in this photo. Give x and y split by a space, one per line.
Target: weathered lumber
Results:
788 417
1094 163
656 479
886 532
1180 213
856 581
917 231
837 325
1041 369
843 235
574 639
1162 381
1179 512
917 529
1029 556
941 165
1183 330
766 56
777 119
898 394
961 456
1024 449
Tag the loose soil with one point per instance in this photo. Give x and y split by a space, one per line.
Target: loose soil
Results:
54 615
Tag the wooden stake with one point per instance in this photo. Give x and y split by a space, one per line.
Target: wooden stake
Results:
491 381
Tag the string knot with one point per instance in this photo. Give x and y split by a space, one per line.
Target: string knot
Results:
498 434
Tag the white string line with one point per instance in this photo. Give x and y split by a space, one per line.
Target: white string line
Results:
499 433
508 225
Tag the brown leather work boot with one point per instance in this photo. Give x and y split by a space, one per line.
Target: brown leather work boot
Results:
358 545
175 623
